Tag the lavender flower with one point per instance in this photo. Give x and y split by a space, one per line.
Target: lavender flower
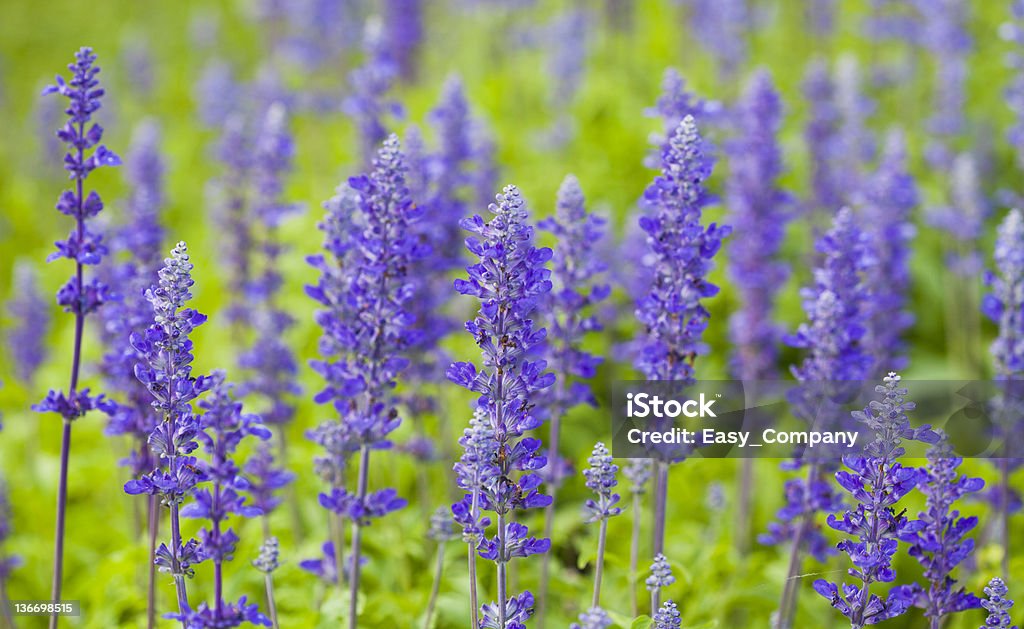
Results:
674 104
1005 306
855 139
403 23
667 617
997 605
166 370
722 28
567 50
31 312
576 267
78 296
1004 303
369 84
271 364
945 34
231 216
367 325
223 428
890 197
601 480
822 138
760 211
1013 33
837 311
941 544
877 481
593 618
672 312
509 280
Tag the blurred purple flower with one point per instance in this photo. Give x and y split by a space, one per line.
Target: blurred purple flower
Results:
31 313
759 211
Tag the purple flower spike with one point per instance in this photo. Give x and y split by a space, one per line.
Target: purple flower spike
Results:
368 331
593 618
370 84
823 141
79 296
31 312
667 617
224 427
672 312
940 542
760 211
509 280
165 368
998 605
877 481
889 198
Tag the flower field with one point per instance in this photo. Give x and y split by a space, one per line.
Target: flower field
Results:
318 313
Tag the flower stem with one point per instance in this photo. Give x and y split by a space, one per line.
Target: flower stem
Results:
660 500
357 529
473 602
502 578
179 576
76 361
62 498
154 531
438 573
634 554
743 508
787 605
271 606
549 518
599 569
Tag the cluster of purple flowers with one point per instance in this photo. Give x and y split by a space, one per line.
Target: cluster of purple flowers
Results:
759 213
165 369
367 324
509 280
31 311
877 481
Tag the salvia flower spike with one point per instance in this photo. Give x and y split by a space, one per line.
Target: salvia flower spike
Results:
660 578
593 618
369 328
31 312
601 480
79 296
877 481
998 605
667 617
577 290
509 279
941 543
1005 306
672 311
165 367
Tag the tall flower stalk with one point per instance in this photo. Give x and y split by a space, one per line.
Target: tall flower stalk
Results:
1005 306
576 267
837 312
31 312
79 296
638 472
998 605
877 481
889 199
509 280
138 241
672 312
760 210
442 531
367 332
165 368
601 480
942 544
